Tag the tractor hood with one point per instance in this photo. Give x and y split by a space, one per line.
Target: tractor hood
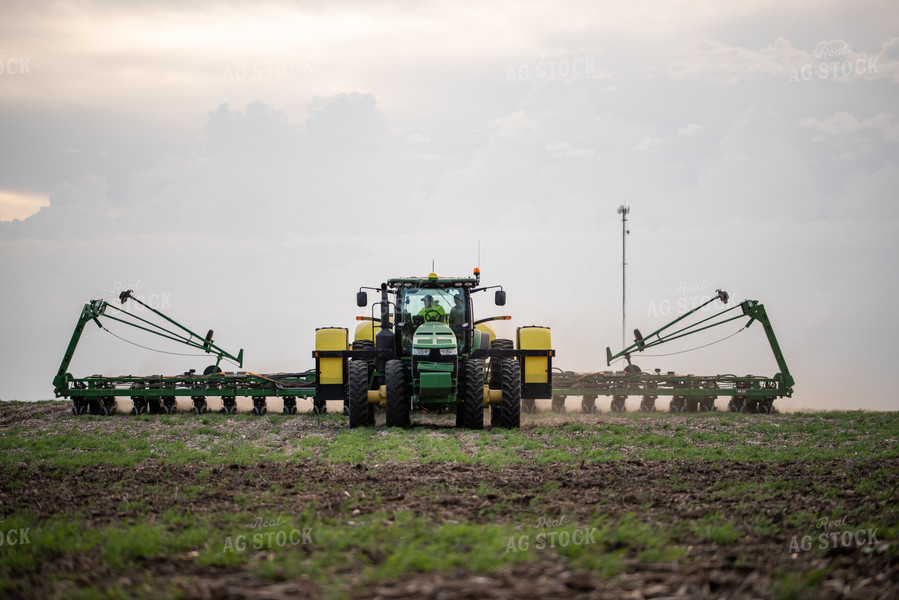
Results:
433 335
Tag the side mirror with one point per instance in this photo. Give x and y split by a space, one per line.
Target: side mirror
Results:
361 299
500 298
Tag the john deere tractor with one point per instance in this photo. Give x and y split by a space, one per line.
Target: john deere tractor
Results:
423 349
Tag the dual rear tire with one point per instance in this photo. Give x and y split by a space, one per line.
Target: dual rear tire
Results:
473 394
505 375
361 413
510 417
398 403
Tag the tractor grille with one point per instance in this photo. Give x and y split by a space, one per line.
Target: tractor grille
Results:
435 382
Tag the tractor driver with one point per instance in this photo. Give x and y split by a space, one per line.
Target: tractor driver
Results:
457 312
432 311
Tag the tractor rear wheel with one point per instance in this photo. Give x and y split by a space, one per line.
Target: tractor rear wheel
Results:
495 377
510 416
365 345
473 393
495 369
397 400
357 393
368 345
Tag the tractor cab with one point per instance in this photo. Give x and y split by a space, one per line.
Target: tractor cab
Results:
443 303
441 308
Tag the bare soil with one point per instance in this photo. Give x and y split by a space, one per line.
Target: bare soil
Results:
665 493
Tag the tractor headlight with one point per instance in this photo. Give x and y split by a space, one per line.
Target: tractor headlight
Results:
447 351
421 351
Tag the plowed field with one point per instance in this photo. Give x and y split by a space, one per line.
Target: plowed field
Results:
571 506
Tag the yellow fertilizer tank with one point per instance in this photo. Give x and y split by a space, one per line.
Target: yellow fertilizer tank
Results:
330 369
536 368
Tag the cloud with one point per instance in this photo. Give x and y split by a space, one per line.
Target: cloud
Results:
648 144
728 64
252 174
757 175
16 204
870 197
512 125
89 193
517 177
690 130
76 211
853 137
565 150
417 138
831 59
844 124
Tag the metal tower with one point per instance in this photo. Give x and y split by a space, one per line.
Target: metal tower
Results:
623 211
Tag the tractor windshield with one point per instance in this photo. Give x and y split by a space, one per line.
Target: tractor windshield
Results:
446 305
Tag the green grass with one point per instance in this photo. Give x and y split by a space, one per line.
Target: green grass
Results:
367 544
75 442
789 585
375 546
714 528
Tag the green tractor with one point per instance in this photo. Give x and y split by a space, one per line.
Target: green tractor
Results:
425 350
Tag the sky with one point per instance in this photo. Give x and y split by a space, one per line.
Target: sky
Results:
246 167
